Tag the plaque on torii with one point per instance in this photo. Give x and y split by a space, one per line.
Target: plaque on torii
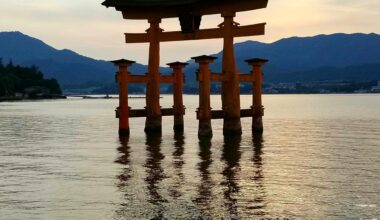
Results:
190 14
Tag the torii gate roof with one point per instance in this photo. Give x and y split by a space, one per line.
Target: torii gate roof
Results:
143 9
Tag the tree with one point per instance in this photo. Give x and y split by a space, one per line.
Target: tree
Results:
15 79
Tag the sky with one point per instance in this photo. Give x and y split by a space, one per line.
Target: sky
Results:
90 29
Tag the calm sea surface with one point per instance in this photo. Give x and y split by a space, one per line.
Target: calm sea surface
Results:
319 158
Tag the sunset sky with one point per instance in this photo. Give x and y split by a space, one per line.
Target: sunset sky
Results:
88 28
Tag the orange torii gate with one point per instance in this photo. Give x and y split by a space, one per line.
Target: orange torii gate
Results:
190 13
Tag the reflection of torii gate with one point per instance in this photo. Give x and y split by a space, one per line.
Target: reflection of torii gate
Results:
189 13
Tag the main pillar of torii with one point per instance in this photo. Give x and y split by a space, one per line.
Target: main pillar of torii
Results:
190 13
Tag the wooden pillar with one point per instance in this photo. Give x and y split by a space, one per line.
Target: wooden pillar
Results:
154 118
230 87
204 110
257 106
122 79
179 108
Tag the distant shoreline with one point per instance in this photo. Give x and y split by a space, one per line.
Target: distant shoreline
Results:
52 97
5 99
142 96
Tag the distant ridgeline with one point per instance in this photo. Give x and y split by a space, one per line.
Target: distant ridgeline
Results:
336 58
26 83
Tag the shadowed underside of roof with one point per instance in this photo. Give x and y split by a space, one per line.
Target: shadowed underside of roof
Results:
142 9
149 3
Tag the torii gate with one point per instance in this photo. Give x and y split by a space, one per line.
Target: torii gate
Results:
190 13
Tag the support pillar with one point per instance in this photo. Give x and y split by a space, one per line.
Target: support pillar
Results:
122 79
204 110
257 107
230 87
153 121
179 108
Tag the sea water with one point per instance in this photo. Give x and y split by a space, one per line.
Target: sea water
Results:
319 158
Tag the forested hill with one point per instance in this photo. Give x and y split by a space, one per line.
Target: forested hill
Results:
27 82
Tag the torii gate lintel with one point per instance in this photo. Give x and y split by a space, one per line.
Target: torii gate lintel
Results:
204 34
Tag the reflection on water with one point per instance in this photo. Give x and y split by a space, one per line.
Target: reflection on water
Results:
123 159
231 156
64 160
155 174
178 163
204 197
259 202
216 193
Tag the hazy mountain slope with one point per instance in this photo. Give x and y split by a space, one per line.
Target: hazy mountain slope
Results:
365 72
68 67
296 54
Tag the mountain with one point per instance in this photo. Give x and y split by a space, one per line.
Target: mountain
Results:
68 67
322 57
313 55
365 72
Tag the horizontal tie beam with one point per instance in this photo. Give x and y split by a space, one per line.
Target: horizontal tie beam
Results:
145 79
216 77
138 79
140 113
167 79
246 78
244 113
239 31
